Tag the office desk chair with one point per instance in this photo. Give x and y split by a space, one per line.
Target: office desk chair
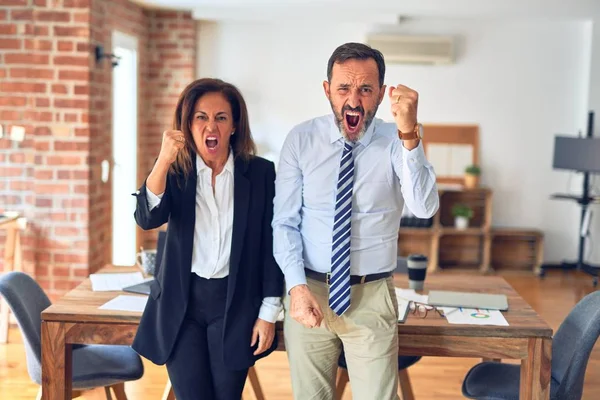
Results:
107 366
405 388
571 349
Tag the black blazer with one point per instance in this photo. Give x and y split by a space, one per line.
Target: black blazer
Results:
253 272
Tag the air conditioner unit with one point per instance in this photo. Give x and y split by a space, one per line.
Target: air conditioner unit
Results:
408 49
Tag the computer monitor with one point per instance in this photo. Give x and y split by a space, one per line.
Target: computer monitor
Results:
577 153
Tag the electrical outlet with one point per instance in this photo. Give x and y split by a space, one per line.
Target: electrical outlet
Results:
17 133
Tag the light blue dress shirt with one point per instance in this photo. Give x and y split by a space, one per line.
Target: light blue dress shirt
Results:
386 176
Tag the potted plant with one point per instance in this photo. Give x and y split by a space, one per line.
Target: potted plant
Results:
472 173
462 213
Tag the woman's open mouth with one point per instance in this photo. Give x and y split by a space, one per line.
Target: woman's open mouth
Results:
353 121
212 143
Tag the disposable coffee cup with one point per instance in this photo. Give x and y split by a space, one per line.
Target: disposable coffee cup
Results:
417 270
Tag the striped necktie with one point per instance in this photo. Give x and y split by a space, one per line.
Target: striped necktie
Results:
339 283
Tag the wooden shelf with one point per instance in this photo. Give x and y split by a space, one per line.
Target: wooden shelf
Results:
467 231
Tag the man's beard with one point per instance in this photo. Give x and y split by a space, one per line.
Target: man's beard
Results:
367 120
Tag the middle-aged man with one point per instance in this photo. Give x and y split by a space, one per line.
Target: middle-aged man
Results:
341 185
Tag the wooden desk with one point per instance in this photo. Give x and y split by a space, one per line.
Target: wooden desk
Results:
12 262
76 319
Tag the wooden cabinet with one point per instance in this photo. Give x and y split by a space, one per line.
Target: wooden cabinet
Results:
479 246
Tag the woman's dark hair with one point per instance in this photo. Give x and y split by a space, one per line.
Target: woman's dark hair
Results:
356 51
241 143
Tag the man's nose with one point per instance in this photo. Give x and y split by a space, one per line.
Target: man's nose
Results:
354 99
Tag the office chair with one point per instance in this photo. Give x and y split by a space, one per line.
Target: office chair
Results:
405 388
94 366
571 349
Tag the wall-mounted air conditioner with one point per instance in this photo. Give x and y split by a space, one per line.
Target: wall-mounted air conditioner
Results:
408 49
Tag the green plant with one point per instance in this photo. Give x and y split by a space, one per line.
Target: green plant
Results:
462 210
473 170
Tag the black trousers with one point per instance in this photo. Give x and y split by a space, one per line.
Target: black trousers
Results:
196 367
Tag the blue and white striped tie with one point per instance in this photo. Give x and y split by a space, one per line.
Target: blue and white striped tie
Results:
339 284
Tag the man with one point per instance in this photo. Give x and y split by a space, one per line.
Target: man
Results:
341 185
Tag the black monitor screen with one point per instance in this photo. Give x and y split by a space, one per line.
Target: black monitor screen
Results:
577 154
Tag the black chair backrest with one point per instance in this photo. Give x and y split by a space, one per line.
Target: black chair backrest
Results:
572 346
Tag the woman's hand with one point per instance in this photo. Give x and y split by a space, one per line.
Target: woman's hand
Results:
172 143
264 332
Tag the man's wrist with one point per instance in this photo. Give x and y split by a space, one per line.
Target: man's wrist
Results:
299 289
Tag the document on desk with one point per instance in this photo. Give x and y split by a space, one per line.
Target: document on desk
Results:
474 316
116 281
126 303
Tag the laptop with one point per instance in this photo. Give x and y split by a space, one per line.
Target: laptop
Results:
444 298
144 287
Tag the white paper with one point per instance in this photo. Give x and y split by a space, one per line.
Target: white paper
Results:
126 303
438 156
461 156
474 316
402 308
411 295
117 281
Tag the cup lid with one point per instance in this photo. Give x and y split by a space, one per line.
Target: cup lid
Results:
417 257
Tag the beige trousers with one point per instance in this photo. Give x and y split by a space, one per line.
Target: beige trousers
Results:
368 331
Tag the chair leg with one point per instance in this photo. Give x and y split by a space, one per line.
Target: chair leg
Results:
255 383
405 392
341 382
119 390
168 393
107 392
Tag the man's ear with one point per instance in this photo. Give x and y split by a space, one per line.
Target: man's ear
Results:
382 93
326 89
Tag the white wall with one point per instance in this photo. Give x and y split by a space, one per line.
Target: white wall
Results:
521 81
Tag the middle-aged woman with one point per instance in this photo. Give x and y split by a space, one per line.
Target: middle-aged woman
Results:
212 307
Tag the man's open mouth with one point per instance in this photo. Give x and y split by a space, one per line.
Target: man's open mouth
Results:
353 120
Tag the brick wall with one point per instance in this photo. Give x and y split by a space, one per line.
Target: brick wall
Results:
51 84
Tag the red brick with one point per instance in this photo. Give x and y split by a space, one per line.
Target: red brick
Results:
75 203
72 60
76 3
59 89
8 29
10 115
42 102
42 146
14 3
67 231
20 15
21 186
44 174
24 87
82 132
73 75
53 16
81 174
71 103
82 89
11 171
81 189
17 158
70 146
40 30
42 131
62 45
81 17
52 188
70 258
38 44
12 44
73 31
85 118
64 160
18 58
71 117
83 47
43 202
43 116
60 271
3 73
40 3
65 285
33 73
13 101
3 14
80 272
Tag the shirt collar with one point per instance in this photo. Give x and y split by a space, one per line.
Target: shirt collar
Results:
335 135
201 165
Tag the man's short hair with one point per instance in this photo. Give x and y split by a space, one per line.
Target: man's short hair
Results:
356 51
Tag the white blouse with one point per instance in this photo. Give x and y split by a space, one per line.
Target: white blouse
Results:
214 226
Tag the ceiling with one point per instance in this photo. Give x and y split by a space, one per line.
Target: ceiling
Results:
379 10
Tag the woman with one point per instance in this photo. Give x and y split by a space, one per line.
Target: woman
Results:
216 296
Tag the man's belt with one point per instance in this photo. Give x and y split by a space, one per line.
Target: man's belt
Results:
354 279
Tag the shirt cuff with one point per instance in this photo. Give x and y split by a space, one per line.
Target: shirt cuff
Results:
415 158
153 199
295 276
270 309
